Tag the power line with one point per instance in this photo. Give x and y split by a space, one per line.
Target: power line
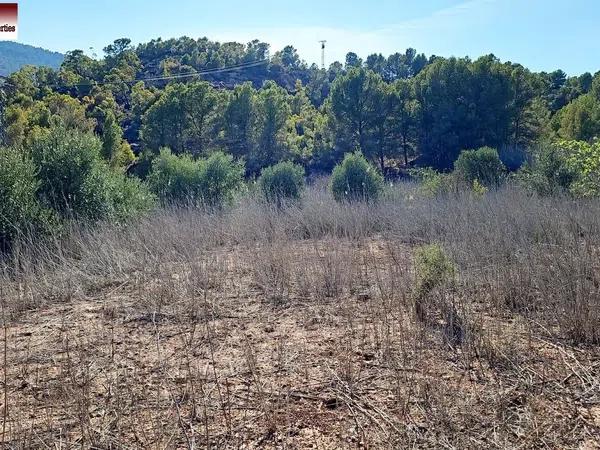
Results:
206 72
195 73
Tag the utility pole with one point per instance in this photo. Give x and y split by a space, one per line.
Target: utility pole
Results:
323 54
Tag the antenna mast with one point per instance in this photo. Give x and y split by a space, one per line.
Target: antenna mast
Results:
323 54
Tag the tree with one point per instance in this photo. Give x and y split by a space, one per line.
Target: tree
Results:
318 86
405 111
115 150
534 122
522 96
595 89
164 123
15 124
463 105
580 119
491 93
271 113
111 137
121 65
183 118
353 61
554 83
396 67
119 46
288 58
403 66
358 106
303 127
443 90
70 111
141 99
20 210
377 63
237 121
201 104
76 182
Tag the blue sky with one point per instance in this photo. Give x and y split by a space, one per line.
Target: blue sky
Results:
541 34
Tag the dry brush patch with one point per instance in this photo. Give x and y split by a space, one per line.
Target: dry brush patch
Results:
255 327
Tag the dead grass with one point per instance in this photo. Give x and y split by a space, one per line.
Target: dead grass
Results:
259 328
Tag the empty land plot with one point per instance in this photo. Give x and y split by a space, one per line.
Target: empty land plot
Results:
263 328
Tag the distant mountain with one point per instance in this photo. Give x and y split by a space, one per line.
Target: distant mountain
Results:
13 56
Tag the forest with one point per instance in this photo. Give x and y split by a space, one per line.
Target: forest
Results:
404 107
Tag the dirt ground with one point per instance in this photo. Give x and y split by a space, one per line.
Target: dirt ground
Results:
309 344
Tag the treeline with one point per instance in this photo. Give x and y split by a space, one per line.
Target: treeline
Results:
398 110
83 136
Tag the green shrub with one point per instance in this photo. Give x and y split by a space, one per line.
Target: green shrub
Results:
220 177
355 179
549 171
283 181
20 210
434 268
211 181
565 166
76 182
72 175
175 178
435 271
583 159
483 165
478 189
433 183
129 196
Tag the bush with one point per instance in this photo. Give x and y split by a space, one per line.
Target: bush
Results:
483 165
434 269
180 179
433 183
71 173
20 210
76 182
283 181
129 196
548 172
584 160
566 166
479 189
175 178
355 179
220 177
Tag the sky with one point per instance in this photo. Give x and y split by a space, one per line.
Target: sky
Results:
540 34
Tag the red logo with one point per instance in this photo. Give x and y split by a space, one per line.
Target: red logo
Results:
8 21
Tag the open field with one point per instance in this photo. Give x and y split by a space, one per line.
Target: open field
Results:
260 328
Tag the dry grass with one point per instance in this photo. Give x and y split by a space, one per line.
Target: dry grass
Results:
297 328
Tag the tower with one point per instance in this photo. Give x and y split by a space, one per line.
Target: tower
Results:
322 54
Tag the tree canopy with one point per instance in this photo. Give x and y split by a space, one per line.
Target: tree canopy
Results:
198 96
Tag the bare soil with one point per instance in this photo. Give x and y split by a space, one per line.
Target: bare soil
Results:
303 344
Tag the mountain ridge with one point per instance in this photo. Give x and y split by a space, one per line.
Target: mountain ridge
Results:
14 55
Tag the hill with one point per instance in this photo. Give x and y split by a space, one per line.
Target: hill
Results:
14 55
